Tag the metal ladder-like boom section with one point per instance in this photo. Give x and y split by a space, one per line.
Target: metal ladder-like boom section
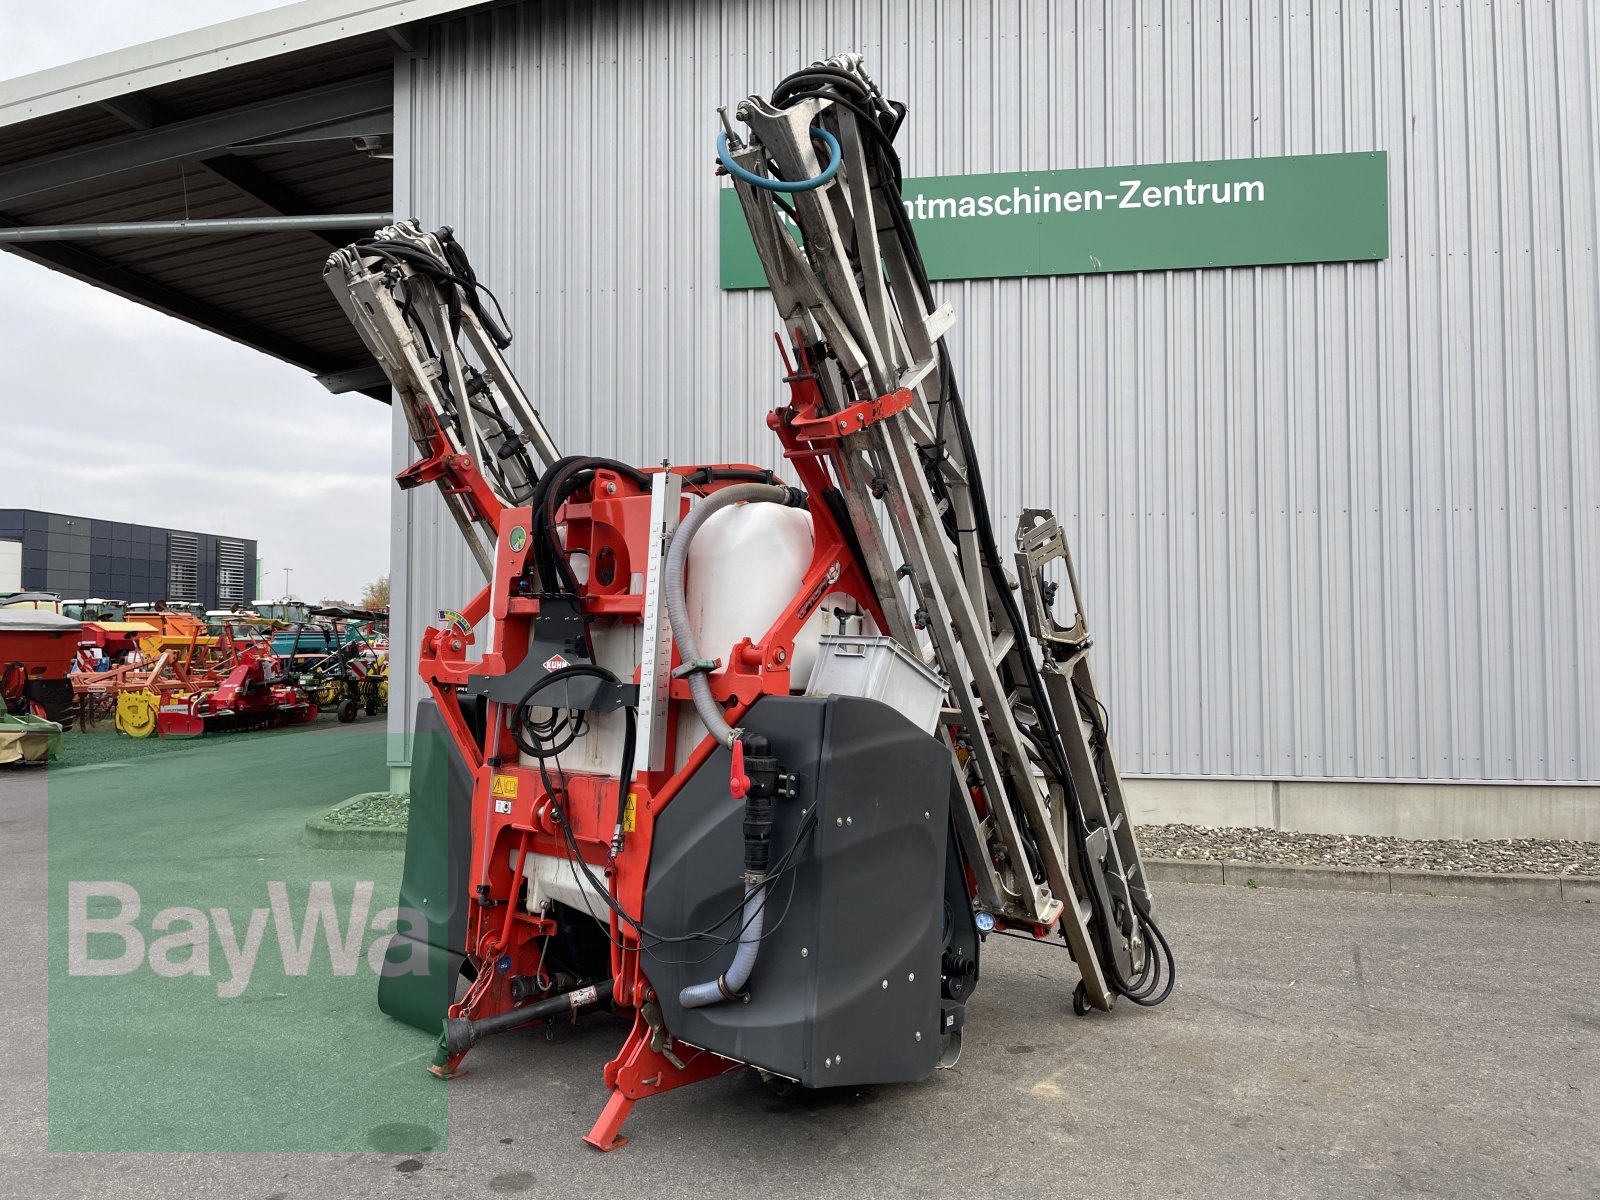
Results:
1042 822
420 309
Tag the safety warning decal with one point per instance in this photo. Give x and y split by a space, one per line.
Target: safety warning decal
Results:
504 785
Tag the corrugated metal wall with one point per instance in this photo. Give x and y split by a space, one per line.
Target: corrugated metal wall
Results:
1333 521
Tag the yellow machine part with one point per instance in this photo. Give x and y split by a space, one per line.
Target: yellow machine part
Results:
136 712
153 644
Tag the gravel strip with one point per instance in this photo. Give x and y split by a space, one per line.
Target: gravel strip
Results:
380 810
1511 856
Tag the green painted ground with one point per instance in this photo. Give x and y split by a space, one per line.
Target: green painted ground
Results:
155 1059
104 744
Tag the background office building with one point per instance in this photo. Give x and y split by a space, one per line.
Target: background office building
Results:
79 557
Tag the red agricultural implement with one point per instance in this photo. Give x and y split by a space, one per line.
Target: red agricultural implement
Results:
757 766
37 648
180 679
253 695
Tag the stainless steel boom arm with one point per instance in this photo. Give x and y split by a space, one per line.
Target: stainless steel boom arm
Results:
412 297
1044 830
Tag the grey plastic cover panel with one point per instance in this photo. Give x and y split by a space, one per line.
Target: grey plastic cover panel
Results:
848 974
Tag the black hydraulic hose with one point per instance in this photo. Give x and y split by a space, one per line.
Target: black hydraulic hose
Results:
818 71
511 445
455 279
433 268
520 720
821 76
735 474
572 480
465 286
535 750
546 570
869 122
630 739
550 556
651 940
456 257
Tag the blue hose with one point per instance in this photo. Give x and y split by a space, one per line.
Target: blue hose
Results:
780 185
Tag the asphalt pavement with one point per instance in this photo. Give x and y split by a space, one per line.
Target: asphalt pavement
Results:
1318 1044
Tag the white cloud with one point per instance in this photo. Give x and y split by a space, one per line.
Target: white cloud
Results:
38 36
114 410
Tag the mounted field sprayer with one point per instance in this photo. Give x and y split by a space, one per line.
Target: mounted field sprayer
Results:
759 764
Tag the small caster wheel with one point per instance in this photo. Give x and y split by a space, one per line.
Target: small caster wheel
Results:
347 711
1080 1000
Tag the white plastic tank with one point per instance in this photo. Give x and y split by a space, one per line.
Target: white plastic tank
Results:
745 564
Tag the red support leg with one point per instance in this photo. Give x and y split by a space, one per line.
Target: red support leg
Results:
605 1135
638 1071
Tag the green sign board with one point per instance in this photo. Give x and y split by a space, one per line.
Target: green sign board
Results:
1230 213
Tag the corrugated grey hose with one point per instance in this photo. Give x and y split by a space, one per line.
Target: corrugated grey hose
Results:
732 981
678 602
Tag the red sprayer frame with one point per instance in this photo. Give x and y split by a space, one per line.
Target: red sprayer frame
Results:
512 812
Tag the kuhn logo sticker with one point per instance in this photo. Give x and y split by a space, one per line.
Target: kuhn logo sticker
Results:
555 663
819 591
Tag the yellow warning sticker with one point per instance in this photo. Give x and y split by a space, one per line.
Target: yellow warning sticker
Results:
504 785
629 813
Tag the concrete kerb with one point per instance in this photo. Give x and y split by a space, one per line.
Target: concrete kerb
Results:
1183 870
324 834
1580 887
1474 884
1324 879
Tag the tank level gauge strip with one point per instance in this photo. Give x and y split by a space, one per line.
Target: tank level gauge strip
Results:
656 667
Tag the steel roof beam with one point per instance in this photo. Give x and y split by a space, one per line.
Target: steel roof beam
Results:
197 137
135 110
403 36
346 129
217 227
92 268
138 111
250 179
369 379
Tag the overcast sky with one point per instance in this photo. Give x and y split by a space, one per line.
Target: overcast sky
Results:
113 410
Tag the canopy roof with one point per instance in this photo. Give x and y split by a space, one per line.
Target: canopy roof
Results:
287 112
